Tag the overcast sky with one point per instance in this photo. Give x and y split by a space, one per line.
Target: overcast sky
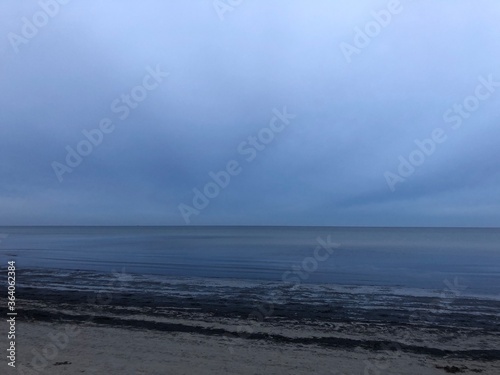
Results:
230 71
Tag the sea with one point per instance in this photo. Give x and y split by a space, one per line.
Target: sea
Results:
432 291
442 261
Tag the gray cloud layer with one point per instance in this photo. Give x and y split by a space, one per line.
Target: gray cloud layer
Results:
353 120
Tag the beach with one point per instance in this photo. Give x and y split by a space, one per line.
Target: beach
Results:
254 301
230 187
102 350
144 325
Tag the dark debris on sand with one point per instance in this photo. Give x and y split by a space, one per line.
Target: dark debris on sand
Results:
455 369
62 363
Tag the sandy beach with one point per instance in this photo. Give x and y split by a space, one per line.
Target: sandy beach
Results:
102 350
127 311
61 333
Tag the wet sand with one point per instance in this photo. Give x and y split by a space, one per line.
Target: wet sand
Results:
71 323
104 350
60 334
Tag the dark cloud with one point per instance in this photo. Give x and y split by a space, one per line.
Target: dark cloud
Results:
353 120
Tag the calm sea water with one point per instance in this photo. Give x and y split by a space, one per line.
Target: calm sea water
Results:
421 258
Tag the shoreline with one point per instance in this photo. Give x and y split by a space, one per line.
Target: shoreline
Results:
96 350
361 332
345 336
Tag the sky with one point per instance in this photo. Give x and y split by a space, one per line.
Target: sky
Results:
365 113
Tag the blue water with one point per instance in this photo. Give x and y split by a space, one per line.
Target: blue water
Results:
427 258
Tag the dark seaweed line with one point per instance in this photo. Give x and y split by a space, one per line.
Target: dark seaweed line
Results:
330 342
239 307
